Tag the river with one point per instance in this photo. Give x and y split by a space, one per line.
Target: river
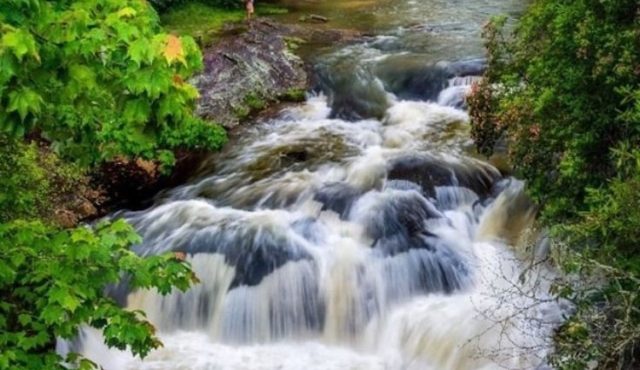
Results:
356 230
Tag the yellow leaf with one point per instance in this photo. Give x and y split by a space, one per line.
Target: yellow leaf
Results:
173 49
127 12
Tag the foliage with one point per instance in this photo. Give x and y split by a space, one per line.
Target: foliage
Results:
223 4
94 80
293 95
564 92
97 78
52 281
606 326
199 20
254 101
32 181
204 21
566 88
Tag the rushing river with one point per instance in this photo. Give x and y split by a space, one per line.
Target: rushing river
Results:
354 231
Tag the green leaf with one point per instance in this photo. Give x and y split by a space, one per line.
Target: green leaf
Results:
137 111
84 75
127 12
20 43
140 51
24 101
24 319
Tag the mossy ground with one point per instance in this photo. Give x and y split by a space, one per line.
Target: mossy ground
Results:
204 22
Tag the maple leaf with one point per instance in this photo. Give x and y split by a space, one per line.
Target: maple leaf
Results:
173 49
177 80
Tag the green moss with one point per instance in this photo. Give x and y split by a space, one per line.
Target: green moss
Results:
254 101
293 95
241 112
204 22
293 43
36 181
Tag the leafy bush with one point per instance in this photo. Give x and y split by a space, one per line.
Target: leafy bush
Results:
97 78
51 283
564 91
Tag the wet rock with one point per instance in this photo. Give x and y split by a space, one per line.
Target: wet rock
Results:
351 89
395 215
429 172
255 252
337 197
127 182
410 78
468 67
253 65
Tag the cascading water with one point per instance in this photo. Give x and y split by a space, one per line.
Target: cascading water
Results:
374 243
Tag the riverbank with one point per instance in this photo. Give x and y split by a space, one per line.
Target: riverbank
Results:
251 69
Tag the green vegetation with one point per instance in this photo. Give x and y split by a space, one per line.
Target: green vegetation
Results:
222 4
204 21
254 101
241 112
293 43
33 180
52 282
564 92
83 82
110 84
199 20
294 95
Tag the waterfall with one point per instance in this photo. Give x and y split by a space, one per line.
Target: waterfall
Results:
353 231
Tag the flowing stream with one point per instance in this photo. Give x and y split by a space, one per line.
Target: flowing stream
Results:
355 231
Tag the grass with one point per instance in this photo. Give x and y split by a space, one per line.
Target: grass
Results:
204 22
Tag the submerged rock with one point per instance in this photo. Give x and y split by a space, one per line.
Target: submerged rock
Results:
430 172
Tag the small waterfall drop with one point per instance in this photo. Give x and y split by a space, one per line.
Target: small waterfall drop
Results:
335 237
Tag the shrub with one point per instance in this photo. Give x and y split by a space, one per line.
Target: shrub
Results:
97 78
564 92
52 281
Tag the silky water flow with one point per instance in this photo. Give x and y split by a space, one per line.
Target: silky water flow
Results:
332 237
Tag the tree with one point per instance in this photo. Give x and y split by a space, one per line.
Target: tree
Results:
564 92
95 79
99 79
52 281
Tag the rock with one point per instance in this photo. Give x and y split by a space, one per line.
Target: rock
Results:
314 17
253 65
467 67
83 208
429 172
243 71
65 218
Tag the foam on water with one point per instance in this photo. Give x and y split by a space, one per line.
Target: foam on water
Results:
353 270
323 243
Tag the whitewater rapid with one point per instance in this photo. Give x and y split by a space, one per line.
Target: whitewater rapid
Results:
356 230
327 244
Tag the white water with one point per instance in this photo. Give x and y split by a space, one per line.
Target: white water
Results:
333 301
327 244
